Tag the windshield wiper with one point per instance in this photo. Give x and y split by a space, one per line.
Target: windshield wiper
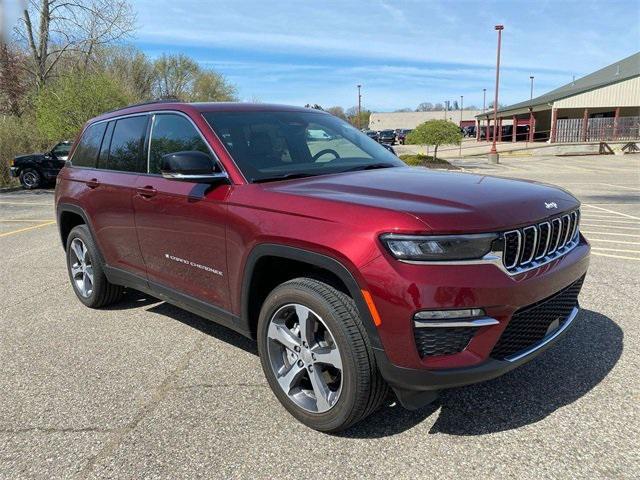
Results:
371 166
287 176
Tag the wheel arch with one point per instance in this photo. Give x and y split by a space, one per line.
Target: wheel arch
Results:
69 216
320 266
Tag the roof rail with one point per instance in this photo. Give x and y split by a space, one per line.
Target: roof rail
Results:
150 102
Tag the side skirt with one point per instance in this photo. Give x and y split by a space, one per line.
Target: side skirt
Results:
169 295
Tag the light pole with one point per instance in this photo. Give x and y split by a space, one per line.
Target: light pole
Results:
493 154
531 78
460 149
484 99
359 105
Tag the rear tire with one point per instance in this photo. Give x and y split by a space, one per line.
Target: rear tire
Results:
87 276
337 352
30 178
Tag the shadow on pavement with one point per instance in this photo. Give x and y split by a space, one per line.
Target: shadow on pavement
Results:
526 395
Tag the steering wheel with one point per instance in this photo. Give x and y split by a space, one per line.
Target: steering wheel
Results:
324 152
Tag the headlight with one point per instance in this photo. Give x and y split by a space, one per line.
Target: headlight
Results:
438 247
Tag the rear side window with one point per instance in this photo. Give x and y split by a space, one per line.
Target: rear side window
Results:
87 150
172 133
127 142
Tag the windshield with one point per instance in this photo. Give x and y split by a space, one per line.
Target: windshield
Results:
276 145
62 149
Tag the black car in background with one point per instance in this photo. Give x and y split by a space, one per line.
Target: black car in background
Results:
387 136
39 169
372 134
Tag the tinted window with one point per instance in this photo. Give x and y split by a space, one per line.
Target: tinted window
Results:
87 150
106 142
272 145
172 133
126 144
62 149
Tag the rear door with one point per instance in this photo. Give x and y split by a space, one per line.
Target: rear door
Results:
181 232
111 186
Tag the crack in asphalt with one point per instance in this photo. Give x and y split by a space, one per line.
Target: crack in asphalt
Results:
160 393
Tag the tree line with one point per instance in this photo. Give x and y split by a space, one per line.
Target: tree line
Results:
69 60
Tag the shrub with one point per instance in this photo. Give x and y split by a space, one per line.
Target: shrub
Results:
436 133
428 161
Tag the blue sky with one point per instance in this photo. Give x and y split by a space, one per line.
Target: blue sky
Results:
403 52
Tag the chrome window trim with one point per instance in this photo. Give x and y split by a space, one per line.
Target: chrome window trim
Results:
546 247
517 260
478 322
535 242
549 338
152 113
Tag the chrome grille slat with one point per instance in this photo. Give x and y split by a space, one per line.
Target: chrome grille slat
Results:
528 247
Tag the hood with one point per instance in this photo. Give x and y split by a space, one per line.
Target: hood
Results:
444 201
28 156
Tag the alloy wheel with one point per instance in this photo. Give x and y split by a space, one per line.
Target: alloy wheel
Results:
305 358
30 179
81 267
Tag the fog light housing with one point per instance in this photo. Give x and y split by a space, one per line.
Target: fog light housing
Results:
449 314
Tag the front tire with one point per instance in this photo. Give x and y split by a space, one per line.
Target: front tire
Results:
31 179
316 355
85 270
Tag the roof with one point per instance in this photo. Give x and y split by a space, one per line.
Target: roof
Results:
202 107
616 72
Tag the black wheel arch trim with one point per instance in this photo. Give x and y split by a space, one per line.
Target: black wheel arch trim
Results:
318 260
72 208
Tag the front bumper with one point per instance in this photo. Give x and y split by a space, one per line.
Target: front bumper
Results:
409 379
14 172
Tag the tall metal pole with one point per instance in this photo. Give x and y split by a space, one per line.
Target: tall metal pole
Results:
484 99
359 106
460 149
499 28
531 77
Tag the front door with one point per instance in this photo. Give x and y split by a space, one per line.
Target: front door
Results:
181 232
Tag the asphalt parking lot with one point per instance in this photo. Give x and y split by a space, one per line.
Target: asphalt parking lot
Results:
146 390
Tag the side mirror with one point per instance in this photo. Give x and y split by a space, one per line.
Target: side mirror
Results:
190 166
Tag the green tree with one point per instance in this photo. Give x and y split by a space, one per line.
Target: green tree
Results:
63 107
210 86
338 112
363 121
436 133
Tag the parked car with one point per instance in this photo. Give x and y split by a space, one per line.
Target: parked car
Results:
40 169
372 134
387 136
356 276
401 135
470 131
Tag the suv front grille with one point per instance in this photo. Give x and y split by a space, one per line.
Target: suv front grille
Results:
442 340
530 324
528 247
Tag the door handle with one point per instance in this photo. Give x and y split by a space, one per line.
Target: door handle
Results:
93 183
146 192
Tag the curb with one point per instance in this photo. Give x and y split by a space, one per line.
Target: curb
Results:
9 189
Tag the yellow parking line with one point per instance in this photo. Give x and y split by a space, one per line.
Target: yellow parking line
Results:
612 211
615 256
6 234
616 250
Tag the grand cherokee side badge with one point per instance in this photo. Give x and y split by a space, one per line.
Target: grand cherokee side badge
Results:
550 205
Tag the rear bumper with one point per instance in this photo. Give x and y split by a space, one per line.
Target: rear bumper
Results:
409 383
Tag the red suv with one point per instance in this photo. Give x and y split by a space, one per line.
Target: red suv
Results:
356 274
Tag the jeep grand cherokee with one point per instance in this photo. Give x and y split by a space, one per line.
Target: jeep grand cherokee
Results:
357 275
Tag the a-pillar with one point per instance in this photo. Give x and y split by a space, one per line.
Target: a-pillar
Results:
554 124
585 124
514 130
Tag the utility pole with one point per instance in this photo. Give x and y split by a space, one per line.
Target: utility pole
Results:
359 106
493 154
531 78
484 99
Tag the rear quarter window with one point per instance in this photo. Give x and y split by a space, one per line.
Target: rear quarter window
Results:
86 153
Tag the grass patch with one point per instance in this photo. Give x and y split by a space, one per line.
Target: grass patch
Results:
428 161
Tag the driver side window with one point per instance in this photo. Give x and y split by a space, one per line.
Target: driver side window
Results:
326 145
172 133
